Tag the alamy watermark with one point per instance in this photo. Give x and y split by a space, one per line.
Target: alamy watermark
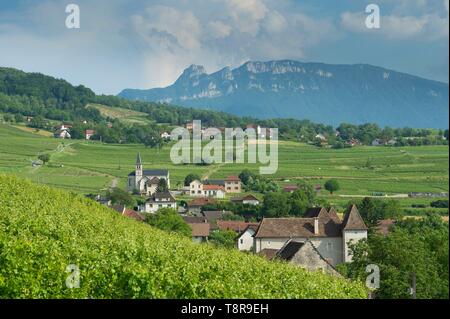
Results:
73 280
73 19
227 145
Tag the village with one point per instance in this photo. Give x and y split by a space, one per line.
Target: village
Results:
319 240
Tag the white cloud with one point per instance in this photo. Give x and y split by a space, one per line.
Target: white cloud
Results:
248 14
429 26
275 22
168 27
219 30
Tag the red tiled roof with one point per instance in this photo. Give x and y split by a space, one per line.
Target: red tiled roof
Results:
233 179
213 188
133 214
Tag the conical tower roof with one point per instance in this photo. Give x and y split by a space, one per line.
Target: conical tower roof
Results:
138 159
353 220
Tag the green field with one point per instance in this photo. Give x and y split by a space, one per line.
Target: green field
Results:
87 166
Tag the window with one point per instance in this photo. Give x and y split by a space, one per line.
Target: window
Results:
242 241
329 246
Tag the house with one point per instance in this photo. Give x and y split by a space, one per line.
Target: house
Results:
215 188
290 188
255 127
196 188
246 200
245 240
234 225
29 119
190 126
200 232
63 132
233 184
321 137
212 217
329 235
88 134
143 181
215 191
195 205
165 135
128 213
194 219
159 201
103 201
305 255
378 142
352 142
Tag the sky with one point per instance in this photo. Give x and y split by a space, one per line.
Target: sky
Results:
148 43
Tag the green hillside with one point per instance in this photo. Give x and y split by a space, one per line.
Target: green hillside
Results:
43 230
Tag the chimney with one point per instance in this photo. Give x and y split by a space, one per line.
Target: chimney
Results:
316 226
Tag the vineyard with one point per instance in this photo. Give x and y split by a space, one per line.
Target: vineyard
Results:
43 230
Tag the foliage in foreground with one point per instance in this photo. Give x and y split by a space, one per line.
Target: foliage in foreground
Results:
43 230
413 246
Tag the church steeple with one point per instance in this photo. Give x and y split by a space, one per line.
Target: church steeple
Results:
138 167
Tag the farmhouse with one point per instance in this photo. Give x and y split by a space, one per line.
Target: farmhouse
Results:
246 200
63 132
327 233
88 134
195 205
215 188
158 201
146 181
200 232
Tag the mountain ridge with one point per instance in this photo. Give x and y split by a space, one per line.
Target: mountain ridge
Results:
309 90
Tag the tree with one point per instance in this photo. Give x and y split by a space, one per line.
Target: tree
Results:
170 221
276 205
45 158
332 185
119 196
299 203
369 212
190 178
246 176
223 238
162 186
18 118
412 246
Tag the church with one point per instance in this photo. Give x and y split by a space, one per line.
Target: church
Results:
145 182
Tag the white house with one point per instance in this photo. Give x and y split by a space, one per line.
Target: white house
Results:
165 135
143 181
246 200
245 240
159 201
63 132
214 188
324 229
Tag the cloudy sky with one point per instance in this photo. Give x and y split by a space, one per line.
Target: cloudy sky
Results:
147 43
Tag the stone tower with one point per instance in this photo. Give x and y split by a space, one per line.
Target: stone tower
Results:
354 229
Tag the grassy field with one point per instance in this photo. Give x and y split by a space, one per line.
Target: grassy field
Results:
126 116
87 166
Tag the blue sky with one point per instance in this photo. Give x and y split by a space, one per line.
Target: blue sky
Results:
145 44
